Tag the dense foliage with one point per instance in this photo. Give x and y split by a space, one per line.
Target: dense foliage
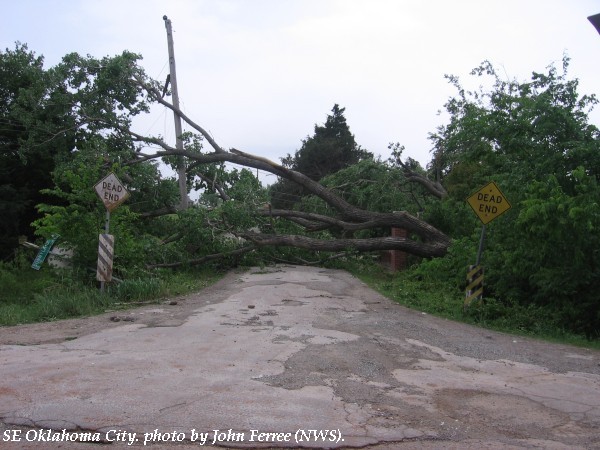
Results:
534 140
31 111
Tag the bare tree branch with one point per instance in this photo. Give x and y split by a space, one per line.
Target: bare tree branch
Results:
214 185
312 263
435 188
156 95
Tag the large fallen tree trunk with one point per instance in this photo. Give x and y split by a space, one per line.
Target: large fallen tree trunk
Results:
424 240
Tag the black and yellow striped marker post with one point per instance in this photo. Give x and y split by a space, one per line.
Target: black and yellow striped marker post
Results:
488 203
474 289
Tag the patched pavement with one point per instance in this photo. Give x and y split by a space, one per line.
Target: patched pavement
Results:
294 357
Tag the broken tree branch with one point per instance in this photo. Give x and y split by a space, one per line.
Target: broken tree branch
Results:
429 241
204 259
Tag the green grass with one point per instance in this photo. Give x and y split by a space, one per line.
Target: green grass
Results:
28 296
424 293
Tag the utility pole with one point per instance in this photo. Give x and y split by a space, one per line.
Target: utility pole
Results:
179 143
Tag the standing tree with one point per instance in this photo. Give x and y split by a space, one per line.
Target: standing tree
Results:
534 139
330 149
36 127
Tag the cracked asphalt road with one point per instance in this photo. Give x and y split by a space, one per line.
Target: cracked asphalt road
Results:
293 348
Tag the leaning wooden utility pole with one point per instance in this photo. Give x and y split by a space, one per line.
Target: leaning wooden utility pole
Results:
178 143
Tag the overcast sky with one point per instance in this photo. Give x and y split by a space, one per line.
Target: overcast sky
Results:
260 73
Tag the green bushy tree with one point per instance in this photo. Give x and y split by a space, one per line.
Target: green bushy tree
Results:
535 141
36 127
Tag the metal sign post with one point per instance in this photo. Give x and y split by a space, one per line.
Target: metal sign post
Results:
487 203
480 250
112 193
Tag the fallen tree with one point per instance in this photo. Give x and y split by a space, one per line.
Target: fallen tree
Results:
424 240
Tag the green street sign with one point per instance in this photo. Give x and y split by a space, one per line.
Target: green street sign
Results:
41 256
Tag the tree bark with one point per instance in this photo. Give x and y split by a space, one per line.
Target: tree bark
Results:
413 247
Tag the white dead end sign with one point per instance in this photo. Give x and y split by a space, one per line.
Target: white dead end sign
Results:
111 191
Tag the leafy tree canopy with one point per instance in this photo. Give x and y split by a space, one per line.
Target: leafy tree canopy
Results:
36 127
535 140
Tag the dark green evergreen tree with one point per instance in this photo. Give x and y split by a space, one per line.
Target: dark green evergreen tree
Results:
330 149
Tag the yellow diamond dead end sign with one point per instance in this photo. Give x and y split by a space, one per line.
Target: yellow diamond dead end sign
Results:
488 203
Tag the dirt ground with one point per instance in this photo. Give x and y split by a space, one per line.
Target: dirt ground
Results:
295 348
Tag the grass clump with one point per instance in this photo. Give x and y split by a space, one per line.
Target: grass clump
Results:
28 296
